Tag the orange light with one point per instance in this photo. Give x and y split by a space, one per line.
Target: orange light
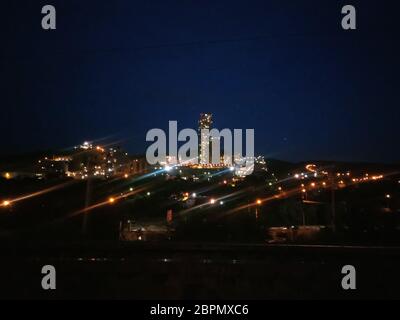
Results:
212 201
258 201
111 200
313 184
304 190
126 176
7 175
6 203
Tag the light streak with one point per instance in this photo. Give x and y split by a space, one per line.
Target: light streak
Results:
41 192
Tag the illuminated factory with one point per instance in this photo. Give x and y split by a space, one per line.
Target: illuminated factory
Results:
88 160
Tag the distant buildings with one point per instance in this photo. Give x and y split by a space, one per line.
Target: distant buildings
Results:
137 165
88 160
55 166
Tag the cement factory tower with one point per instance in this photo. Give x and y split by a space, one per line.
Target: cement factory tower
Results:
205 122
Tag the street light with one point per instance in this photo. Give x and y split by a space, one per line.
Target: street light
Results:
258 204
111 200
6 203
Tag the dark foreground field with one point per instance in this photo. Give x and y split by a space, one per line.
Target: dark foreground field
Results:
176 271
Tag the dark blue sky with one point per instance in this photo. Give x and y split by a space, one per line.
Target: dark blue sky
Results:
285 68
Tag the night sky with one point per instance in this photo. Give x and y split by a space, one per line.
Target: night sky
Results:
115 69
